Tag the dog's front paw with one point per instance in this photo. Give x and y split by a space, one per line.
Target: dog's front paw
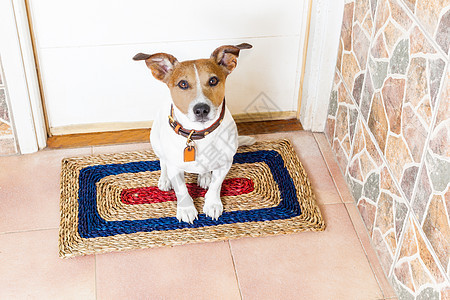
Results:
187 214
204 180
213 210
164 183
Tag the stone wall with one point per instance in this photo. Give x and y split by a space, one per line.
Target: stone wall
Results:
389 126
7 140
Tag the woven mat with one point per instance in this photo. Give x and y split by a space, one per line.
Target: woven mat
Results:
111 202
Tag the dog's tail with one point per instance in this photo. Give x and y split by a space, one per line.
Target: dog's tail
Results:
244 140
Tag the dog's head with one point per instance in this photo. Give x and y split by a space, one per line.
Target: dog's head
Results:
197 86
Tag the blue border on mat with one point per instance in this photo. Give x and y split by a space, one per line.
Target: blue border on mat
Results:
91 225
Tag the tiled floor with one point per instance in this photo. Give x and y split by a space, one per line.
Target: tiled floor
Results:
336 264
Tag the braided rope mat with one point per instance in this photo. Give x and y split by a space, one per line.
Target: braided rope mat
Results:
111 202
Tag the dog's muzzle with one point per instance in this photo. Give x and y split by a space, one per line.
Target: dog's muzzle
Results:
201 111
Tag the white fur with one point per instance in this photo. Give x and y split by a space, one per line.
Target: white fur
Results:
214 156
200 98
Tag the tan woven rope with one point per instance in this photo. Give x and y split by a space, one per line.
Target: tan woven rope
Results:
111 208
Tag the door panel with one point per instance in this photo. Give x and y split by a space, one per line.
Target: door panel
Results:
85 51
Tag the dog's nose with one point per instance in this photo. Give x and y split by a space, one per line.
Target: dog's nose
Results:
201 110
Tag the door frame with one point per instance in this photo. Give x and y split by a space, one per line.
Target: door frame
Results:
20 77
323 18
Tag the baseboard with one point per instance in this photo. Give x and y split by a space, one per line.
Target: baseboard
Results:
120 126
142 135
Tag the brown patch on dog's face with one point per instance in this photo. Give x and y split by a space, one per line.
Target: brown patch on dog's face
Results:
184 85
195 82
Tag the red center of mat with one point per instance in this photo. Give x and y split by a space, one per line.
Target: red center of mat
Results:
152 194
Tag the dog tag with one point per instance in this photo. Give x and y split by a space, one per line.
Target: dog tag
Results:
189 154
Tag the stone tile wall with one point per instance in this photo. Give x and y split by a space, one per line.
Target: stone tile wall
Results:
389 126
7 140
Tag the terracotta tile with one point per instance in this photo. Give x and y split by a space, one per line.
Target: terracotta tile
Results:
200 271
30 268
29 189
306 147
299 264
303 141
336 174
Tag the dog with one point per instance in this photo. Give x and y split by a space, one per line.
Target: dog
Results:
195 132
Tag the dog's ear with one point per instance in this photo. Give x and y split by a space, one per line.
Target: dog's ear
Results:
161 64
226 56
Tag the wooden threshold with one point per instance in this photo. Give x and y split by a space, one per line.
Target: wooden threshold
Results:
142 135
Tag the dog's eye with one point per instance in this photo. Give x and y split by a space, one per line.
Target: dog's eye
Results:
183 84
213 81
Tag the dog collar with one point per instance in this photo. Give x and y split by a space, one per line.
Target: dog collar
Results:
194 134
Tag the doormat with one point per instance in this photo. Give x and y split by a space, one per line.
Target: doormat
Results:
111 202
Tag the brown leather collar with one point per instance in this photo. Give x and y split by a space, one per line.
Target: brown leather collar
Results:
194 134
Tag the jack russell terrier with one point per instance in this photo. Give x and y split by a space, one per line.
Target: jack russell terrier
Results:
195 133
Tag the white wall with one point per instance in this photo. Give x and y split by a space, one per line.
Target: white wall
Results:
85 49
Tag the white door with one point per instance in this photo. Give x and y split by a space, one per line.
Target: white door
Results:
91 83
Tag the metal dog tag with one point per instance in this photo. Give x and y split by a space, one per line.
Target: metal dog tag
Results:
189 154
